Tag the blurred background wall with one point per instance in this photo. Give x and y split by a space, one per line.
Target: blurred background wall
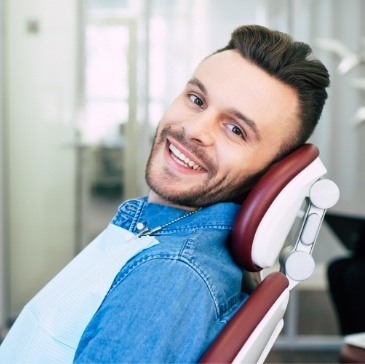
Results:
83 85
2 177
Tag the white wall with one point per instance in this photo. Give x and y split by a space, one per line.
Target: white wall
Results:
341 142
41 92
345 141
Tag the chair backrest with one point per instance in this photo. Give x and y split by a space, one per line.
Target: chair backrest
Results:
258 238
269 210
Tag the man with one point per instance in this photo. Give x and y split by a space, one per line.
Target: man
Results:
245 106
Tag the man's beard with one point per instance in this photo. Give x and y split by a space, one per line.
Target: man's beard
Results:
203 194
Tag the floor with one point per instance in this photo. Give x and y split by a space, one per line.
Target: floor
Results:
315 317
306 356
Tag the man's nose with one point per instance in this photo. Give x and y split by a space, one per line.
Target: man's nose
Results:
202 128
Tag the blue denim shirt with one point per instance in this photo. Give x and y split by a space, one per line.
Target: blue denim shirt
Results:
169 302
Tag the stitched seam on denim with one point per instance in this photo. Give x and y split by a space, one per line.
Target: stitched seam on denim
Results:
175 257
233 309
187 254
137 214
167 231
226 304
188 248
130 215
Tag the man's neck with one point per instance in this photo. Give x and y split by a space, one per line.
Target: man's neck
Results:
155 198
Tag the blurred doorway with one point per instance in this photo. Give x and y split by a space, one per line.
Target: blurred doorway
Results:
107 125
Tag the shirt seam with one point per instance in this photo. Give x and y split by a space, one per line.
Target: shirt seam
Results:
166 231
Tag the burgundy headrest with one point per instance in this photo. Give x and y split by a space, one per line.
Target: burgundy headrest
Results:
261 197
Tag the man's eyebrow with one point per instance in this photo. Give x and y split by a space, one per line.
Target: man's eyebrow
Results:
238 114
195 82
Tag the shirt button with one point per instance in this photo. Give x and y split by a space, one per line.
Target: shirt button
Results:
140 226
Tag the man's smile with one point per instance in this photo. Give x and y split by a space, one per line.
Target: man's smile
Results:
182 159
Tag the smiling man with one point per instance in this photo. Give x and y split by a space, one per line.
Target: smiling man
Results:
245 107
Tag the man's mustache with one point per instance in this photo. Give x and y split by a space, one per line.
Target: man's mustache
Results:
199 152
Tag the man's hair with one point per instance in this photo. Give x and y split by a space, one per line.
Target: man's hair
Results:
290 62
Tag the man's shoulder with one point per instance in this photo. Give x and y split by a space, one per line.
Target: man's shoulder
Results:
201 254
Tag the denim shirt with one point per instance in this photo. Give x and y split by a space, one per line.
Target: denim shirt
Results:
169 302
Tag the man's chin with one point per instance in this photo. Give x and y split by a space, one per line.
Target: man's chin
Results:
193 195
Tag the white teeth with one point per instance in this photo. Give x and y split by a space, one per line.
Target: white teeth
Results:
183 157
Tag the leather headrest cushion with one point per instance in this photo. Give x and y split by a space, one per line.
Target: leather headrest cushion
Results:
261 197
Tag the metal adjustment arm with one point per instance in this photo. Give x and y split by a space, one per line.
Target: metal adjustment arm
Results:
298 263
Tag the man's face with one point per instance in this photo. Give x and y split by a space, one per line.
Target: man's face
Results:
227 125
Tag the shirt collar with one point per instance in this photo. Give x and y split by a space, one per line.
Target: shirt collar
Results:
150 215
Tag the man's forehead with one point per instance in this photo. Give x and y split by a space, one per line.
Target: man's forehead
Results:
249 89
228 68
221 58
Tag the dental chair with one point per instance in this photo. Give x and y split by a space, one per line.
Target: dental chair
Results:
291 193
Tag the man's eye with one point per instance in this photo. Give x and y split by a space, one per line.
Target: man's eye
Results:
236 130
196 100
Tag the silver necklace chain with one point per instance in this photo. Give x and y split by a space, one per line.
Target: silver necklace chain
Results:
147 232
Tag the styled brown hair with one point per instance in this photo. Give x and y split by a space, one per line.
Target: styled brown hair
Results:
291 62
